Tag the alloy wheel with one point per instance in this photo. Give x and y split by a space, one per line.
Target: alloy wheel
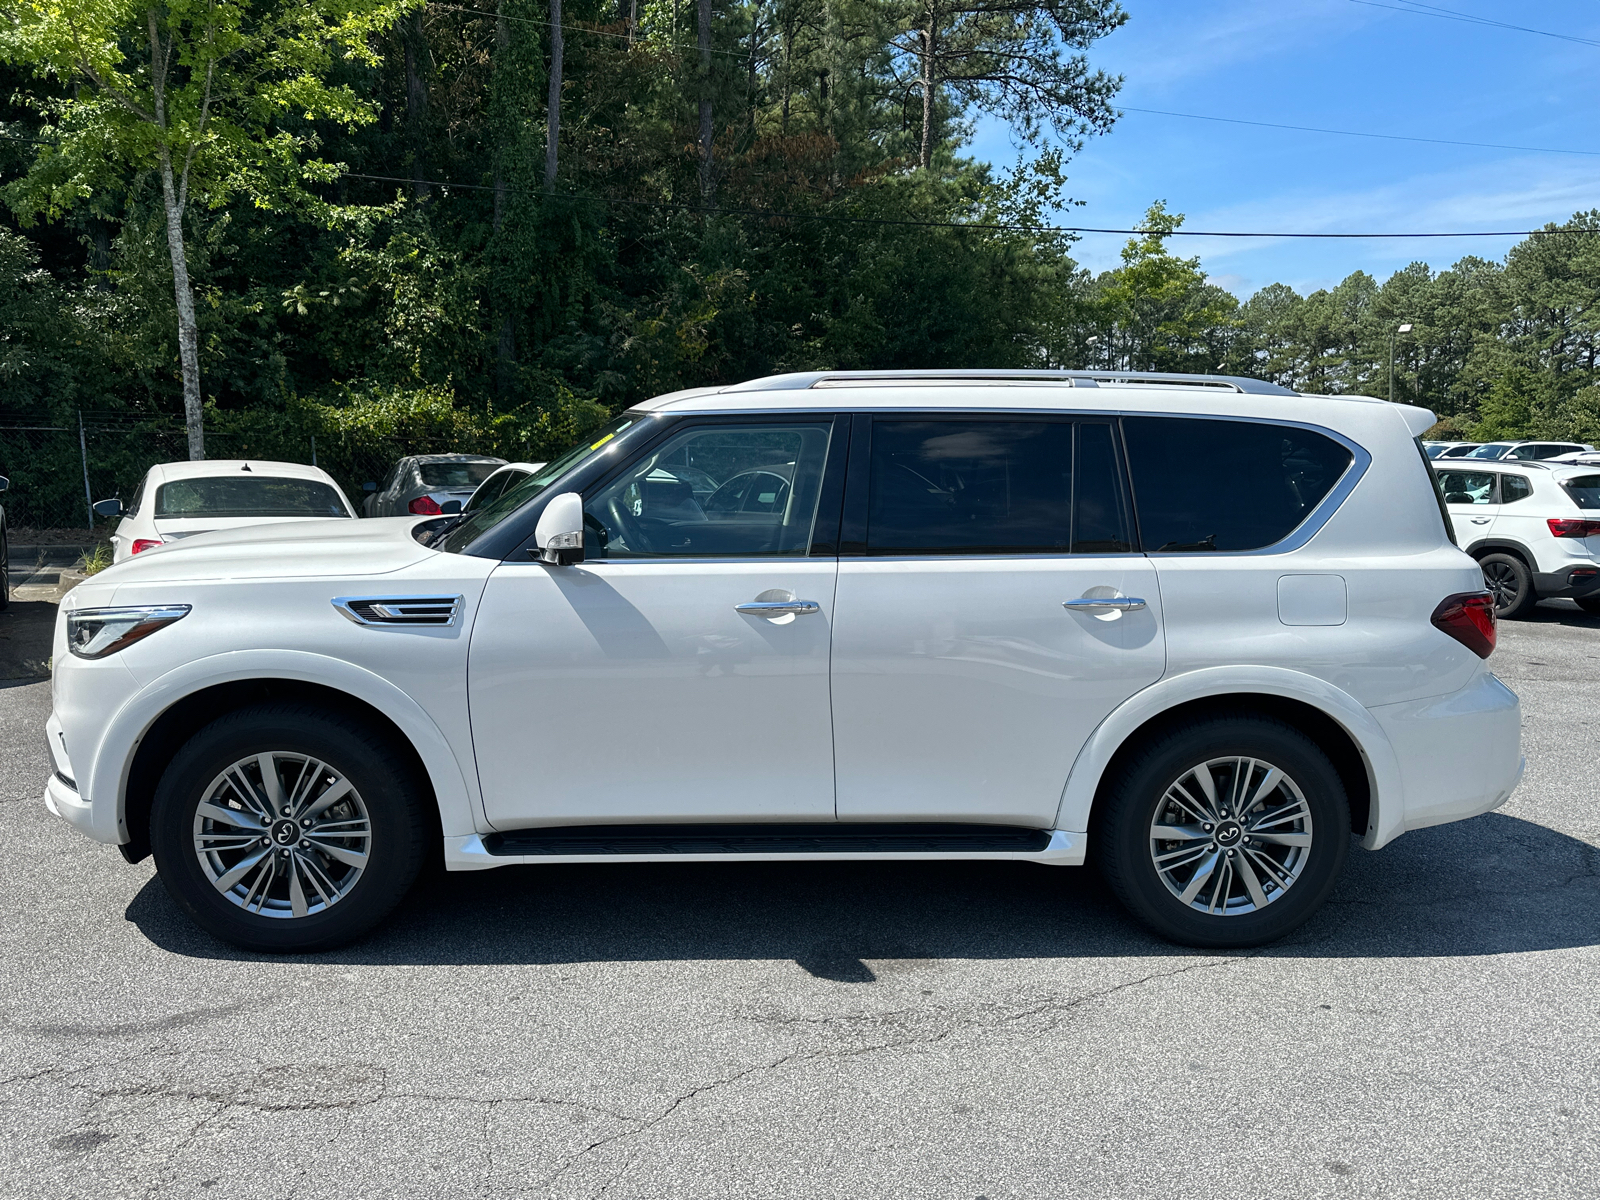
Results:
1231 835
1501 580
281 834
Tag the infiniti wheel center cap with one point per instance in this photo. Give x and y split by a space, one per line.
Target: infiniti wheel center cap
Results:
285 833
1228 833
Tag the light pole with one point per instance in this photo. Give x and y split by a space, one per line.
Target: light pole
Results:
1090 341
1406 328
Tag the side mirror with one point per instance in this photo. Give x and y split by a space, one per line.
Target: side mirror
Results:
106 509
450 507
559 534
4 483
369 486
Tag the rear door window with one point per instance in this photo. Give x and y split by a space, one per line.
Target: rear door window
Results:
995 486
1201 485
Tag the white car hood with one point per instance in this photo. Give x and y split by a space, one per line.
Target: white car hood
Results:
323 547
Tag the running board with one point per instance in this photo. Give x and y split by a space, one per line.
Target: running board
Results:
761 843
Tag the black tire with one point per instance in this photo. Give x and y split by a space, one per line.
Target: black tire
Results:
1589 604
380 777
1124 849
1508 577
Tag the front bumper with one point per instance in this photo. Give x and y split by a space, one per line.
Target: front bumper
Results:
1459 755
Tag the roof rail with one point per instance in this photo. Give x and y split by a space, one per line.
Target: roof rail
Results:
825 379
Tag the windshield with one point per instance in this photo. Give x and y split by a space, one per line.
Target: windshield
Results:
475 524
247 496
1584 489
456 474
1492 450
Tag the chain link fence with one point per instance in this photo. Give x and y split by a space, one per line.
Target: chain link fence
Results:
57 470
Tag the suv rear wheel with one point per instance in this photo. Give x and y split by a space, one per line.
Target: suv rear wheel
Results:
1227 832
1508 577
283 827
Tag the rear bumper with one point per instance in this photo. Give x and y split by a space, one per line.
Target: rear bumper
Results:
1459 755
1556 584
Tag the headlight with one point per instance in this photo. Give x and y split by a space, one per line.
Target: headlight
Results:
97 632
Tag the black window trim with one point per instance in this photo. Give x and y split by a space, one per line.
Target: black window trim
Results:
853 528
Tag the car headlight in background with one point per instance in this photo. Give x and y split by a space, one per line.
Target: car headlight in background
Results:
97 632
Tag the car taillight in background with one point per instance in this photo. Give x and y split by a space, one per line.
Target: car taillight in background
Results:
425 506
1573 527
1469 618
140 545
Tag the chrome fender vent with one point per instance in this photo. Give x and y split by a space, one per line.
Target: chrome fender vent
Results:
399 610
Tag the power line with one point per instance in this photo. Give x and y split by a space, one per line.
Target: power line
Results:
1389 137
982 226
1417 9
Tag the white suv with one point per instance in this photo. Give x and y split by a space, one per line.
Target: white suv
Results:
1198 630
1533 527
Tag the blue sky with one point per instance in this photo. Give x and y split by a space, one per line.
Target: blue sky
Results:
1340 65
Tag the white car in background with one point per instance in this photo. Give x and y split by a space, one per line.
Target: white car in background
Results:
1201 631
1534 528
502 481
180 499
1521 451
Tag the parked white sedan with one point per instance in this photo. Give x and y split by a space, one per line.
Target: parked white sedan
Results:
180 499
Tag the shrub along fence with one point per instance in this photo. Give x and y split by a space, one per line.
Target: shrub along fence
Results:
59 464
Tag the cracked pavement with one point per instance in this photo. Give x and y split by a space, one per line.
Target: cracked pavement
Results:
754 1030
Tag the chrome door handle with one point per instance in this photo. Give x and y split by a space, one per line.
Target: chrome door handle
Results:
778 608
1119 604
1480 520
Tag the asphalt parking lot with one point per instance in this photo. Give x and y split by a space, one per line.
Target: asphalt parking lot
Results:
920 1030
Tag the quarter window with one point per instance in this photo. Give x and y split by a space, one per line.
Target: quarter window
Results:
720 490
1203 485
1514 488
983 486
1468 487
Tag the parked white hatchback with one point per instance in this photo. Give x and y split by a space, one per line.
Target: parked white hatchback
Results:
1199 630
178 500
1533 527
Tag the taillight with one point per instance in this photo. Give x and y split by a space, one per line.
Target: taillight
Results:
1573 527
425 506
1469 618
142 544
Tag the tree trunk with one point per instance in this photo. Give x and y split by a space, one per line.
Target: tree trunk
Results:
707 168
928 43
750 82
412 34
506 347
553 115
188 334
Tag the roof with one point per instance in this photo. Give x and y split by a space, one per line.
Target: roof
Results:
1080 391
207 468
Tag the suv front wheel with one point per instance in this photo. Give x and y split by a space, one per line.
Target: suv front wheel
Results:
282 827
1226 832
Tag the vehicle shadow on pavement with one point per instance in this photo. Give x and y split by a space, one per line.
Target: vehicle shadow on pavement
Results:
1492 885
25 634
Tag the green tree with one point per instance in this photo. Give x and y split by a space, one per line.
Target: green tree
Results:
217 96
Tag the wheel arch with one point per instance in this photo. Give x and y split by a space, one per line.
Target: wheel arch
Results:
1351 737
138 745
1493 545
